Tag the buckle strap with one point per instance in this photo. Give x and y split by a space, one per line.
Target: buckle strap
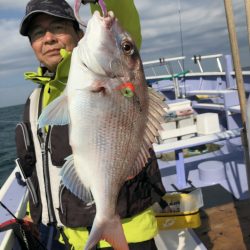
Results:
60 231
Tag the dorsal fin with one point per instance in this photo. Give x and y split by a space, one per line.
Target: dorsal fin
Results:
156 112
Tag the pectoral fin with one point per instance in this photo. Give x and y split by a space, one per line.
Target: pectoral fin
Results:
56 113
72 181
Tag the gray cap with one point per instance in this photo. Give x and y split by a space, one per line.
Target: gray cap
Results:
57 8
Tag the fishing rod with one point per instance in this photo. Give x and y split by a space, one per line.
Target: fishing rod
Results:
89 1
21 231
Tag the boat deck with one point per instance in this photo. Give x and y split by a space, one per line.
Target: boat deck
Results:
225 225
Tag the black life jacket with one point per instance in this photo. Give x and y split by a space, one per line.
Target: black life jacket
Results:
136 195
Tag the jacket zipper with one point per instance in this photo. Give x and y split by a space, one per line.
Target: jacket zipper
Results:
44 140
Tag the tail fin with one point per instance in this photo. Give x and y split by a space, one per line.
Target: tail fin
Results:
110 230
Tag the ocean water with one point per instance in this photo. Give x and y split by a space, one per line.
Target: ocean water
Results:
9 117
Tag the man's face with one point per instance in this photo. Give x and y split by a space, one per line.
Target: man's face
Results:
48 35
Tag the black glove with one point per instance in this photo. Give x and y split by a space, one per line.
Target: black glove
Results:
89 1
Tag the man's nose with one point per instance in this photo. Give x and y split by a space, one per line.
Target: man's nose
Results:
49 37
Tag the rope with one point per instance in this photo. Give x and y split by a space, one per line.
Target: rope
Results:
183 73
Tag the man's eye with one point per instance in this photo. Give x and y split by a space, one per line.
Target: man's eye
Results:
58 27
37 33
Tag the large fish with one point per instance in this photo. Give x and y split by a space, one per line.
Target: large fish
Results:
113 118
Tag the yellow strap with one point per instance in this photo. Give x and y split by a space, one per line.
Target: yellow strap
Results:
139 228
56 86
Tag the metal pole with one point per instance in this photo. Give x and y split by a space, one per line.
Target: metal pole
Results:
239 80
247 7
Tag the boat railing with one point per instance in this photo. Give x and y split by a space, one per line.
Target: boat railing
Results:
198 60
14 197
208 65
214 72
168 67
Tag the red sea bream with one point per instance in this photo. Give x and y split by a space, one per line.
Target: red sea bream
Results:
113 118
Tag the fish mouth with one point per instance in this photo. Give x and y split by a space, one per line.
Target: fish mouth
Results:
114 71
107 20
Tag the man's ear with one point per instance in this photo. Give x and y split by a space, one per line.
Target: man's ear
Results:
80 33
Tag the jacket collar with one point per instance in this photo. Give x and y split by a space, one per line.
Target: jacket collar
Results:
56 80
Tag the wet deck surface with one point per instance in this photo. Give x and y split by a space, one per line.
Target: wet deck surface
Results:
225 221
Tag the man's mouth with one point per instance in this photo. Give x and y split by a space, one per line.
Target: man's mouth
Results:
52 52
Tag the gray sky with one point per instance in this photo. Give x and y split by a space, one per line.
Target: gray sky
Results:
204 32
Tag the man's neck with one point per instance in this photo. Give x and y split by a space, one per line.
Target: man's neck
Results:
48 73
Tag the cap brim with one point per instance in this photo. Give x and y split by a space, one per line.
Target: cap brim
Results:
24 26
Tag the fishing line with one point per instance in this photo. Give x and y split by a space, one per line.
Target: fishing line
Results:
8 210
181 40
181 35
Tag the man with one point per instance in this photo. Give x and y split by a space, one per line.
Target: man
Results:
53 33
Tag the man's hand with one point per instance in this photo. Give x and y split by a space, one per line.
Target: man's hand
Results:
30 226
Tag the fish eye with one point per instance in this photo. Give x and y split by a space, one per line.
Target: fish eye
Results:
127 48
